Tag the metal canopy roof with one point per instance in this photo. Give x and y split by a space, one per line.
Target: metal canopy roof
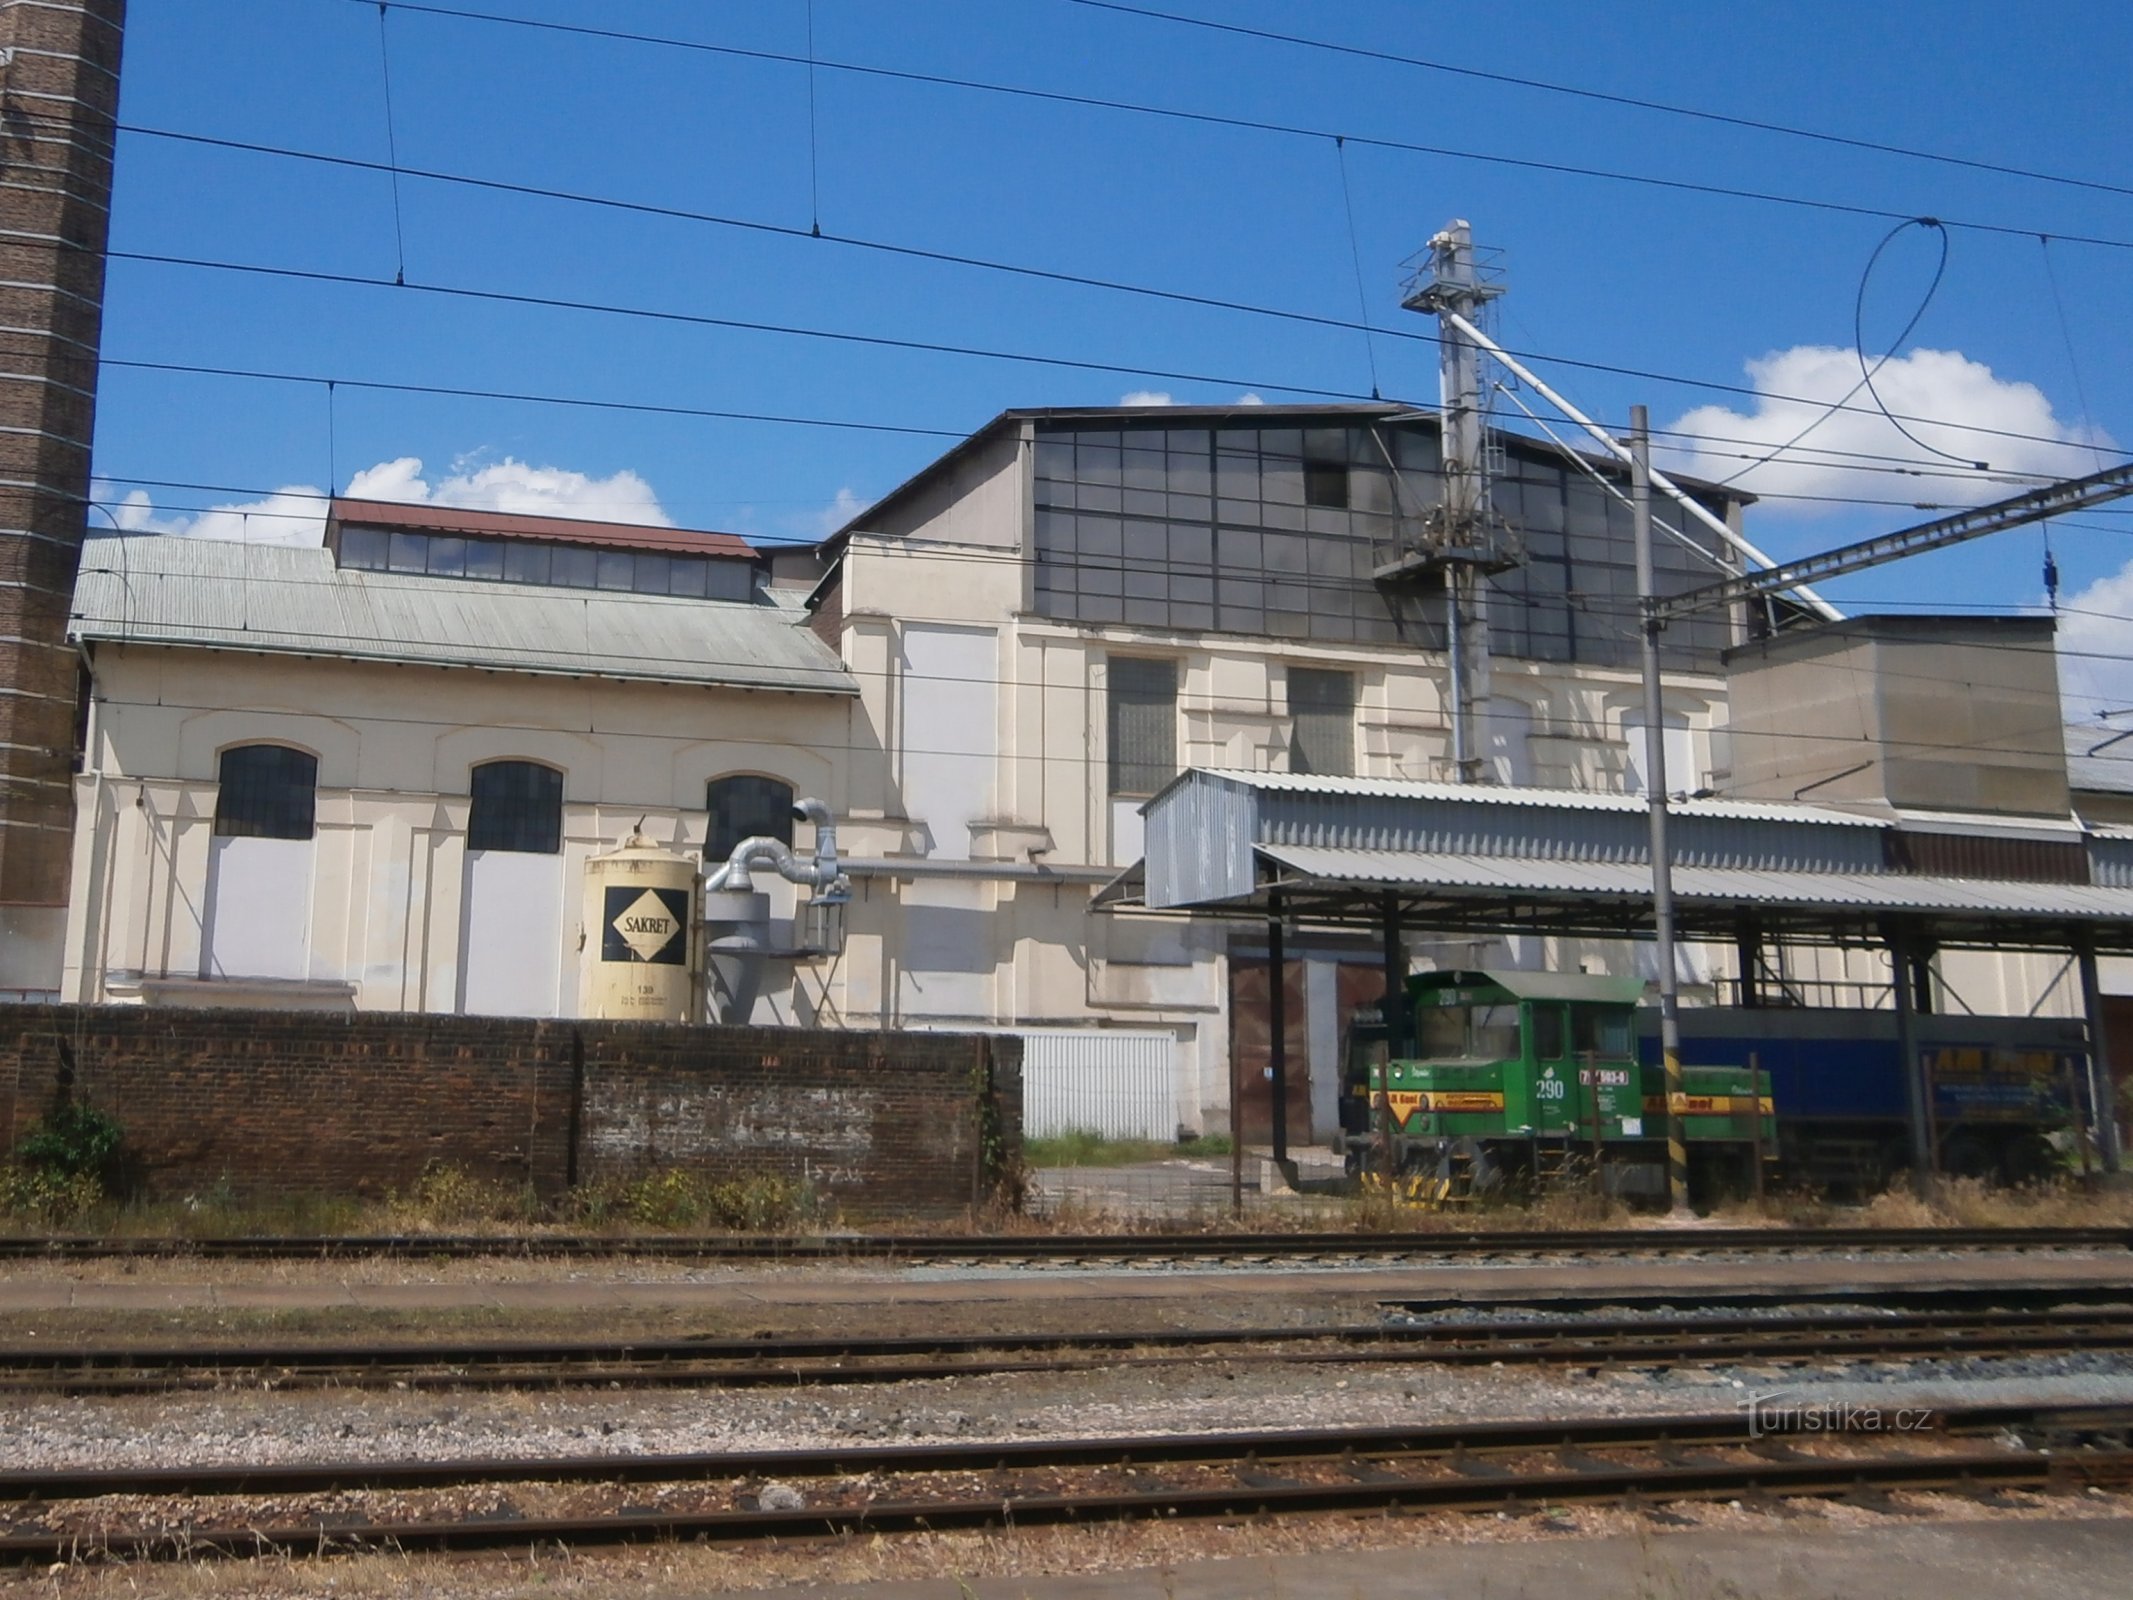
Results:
1477 859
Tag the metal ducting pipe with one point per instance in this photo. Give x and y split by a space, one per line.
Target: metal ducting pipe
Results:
737 915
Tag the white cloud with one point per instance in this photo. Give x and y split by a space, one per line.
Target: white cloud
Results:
839 511
1963 396
1147 397
510 485
296 513
2096 648
1250 398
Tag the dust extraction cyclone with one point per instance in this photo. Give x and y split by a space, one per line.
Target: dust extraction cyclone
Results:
649 952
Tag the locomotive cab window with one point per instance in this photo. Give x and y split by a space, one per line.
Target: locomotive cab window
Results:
1547 1032
1478 1033
1600 1030
518 805
746 807
268 791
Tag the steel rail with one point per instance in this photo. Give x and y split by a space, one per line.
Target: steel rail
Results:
2061 1448
1673 1340
1041 1248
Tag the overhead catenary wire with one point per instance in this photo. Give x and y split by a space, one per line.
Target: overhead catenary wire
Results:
938 347
1079 280
1257 125
392 147
1604 97
1866 375
1857 461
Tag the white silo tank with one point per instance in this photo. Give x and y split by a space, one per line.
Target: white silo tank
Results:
640 934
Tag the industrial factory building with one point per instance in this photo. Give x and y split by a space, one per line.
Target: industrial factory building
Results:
1060 614
370 775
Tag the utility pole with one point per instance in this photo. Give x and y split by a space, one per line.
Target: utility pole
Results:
1463 537
1677 1151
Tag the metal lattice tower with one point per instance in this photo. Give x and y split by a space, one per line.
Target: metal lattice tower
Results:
1462 538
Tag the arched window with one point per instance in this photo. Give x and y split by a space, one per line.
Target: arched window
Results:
269 791
746 807
518 805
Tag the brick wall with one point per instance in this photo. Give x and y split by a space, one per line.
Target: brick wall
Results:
361 1102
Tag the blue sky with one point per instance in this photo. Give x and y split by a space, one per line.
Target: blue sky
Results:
2022 334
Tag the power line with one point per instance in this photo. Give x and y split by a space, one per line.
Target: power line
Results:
576 401
329 381
698 319
731 324
1249 124
1079 280
1632 102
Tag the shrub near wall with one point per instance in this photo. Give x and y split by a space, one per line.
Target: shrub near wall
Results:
273 1101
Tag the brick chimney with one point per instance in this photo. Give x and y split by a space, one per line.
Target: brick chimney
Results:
59 63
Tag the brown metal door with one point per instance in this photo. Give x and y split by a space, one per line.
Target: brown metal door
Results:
1251 1052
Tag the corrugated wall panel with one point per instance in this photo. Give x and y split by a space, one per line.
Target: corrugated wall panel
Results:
1099 1080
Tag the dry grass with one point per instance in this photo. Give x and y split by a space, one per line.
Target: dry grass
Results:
1956 1203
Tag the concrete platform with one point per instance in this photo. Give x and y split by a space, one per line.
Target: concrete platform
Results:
2006 1560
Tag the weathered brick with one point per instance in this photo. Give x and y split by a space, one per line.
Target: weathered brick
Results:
264 1101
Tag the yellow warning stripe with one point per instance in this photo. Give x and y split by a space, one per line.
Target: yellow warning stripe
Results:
1690 1105
1404 1103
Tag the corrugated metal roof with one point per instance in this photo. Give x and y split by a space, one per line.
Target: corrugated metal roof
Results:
1491 794
1623 880
2099 758
226 595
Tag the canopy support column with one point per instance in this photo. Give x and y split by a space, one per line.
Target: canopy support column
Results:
2103 1096
1902 976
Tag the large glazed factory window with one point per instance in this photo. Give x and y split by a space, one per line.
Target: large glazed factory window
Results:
1322 722
518 805
268 792
746 807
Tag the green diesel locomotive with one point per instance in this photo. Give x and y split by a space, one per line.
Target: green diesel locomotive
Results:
1511 1079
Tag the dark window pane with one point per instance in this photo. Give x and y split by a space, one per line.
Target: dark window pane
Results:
518 805
745 807
1322 722
571 567
1547 1033
525 563
410 552
485 559
654 573
448 556
268 792
1142 702
617 570
364 549
685 576
729 580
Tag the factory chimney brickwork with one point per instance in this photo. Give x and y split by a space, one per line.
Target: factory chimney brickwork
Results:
59 64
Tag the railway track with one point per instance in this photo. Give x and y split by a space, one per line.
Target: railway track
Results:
317 1509
1125 1249
2049 1324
